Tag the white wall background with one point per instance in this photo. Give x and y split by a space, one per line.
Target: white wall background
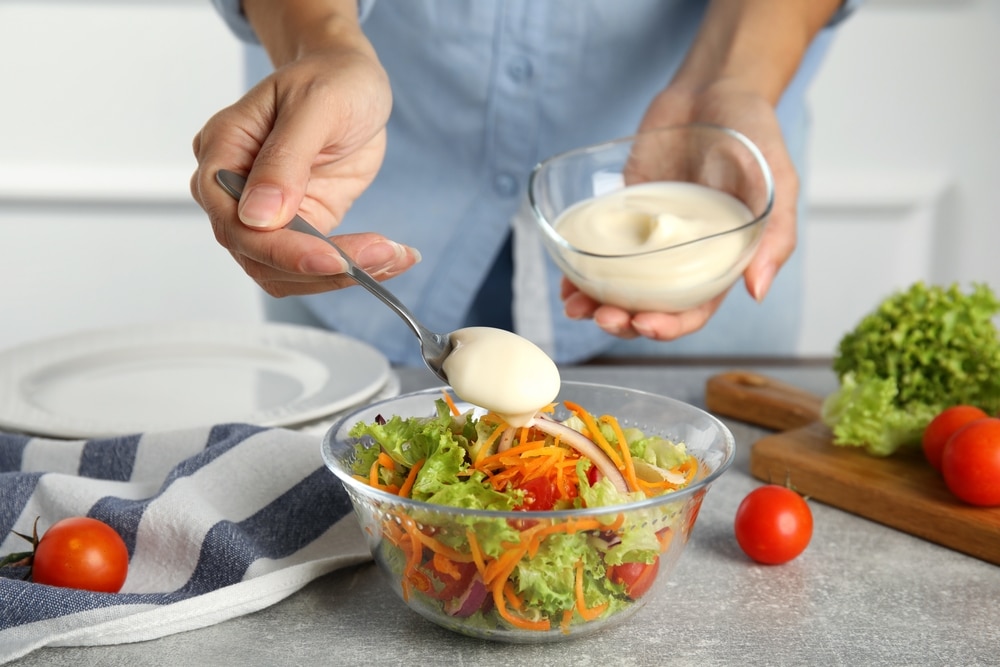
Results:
101 100
906 158
100 103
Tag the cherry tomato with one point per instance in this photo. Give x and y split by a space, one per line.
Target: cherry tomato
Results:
81 553
539 495
636 577
971 462
773 524
943 427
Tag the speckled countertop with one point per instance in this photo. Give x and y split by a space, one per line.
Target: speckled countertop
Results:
861 594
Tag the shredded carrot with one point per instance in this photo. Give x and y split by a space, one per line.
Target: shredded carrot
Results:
595 433
502 567
451 403
588 613
386 461
373 475
477 552
411 477
655 488
629 466
567 618
392 532
539 532
511 595
412 557
498 459
616 524
446 566
689 469
439 548
501 606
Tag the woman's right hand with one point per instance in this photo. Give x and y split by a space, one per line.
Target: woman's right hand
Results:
310 138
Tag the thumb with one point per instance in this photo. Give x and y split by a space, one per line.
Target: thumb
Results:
273 192
281 170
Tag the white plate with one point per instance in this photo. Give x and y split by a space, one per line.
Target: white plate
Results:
162 377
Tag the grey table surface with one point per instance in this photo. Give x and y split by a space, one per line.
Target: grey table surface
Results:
861 594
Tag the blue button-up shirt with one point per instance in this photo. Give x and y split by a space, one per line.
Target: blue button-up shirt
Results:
482 92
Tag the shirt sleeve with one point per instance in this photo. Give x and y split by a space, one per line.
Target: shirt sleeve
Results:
232 13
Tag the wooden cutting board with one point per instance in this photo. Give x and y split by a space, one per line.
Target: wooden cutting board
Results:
902 491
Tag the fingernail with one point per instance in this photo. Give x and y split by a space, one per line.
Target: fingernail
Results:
259 207
323 264
763 283
575 307
643 330
381 257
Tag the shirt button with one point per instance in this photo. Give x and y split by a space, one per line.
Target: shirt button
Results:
519 69
505 185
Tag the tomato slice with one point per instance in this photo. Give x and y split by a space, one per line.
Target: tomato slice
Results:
450 585
637 578
539 495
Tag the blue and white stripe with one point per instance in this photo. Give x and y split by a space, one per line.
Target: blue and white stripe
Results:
219 522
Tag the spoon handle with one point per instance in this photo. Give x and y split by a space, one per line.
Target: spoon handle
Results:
233 183
359 275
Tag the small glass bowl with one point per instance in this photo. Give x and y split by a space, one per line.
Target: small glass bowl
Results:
672 278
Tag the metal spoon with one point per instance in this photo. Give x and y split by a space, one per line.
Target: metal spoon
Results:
434 347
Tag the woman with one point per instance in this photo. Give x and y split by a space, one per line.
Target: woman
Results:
410 127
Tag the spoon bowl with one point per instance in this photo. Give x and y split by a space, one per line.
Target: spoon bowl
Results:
434 347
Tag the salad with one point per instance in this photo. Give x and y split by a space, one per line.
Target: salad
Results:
541 572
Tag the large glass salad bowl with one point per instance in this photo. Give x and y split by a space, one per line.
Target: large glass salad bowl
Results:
542 569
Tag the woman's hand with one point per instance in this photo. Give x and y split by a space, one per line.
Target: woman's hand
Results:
754 117
310 138
740 63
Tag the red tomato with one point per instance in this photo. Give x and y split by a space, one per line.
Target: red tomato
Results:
539 495
594 475
971 462
773 524
451 586
943 427
636 577
81 553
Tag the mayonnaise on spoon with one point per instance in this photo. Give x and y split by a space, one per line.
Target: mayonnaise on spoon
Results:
501 371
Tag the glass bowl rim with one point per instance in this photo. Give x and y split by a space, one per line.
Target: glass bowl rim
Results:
728 451
558 239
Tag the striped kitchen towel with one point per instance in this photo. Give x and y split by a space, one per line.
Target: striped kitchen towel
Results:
219 522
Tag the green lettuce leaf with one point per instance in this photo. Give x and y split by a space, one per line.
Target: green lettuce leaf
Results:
922 350
866 414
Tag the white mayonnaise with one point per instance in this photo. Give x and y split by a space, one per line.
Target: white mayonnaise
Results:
501 371
657 217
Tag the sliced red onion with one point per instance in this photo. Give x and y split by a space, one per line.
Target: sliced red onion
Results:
585 446
506 438
469 601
